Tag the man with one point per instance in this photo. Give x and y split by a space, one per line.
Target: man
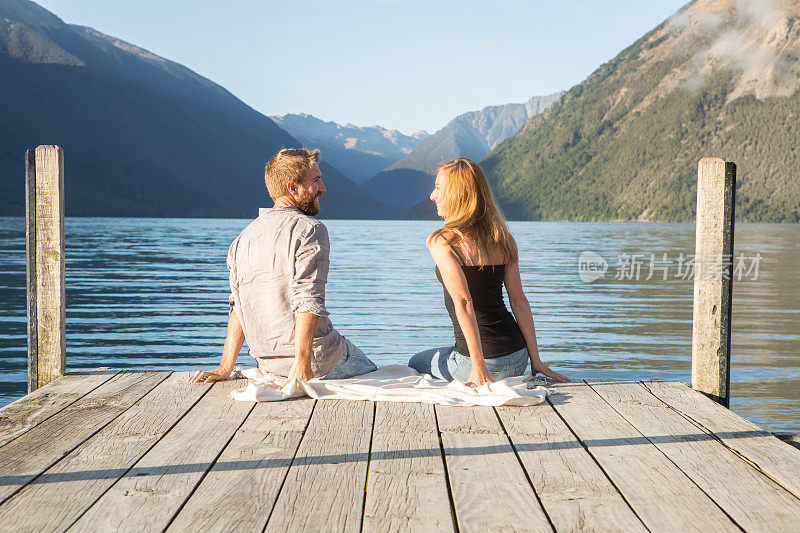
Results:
278 270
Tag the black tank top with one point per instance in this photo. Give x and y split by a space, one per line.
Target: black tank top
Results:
500 333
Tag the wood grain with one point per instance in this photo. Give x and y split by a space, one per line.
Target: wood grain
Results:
575 492
242 486
36 450
406 483
711 307
30 269
50 293
773 457
324 489
60 495
660 493
18 417
138 453
149 495
490 490
754 501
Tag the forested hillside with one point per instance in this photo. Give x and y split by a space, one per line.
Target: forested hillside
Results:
717 79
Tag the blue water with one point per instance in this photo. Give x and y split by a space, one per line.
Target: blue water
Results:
152 294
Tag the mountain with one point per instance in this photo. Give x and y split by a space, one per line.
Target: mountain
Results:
142 136
359 152
423 210
472 135
719 78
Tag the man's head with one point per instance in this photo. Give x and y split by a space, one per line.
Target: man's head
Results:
293 178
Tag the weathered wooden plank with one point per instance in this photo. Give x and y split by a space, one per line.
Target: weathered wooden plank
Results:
46 265
789 438
778 460
755 502
21 415
36 450
711 311
59 496
241 488
658 491
324 489
574 491
149 495
489 487
30 269
406 483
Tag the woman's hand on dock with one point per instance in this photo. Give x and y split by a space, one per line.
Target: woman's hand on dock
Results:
541 368
478 375
203 376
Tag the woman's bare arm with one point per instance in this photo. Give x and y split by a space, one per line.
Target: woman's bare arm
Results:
456 285
522 313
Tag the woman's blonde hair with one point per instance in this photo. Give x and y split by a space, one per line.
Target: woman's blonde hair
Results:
471 213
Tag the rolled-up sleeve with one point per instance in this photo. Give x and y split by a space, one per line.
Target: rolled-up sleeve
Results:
234 302
311 271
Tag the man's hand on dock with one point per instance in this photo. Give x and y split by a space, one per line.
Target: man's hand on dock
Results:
203 376
233 344
299 370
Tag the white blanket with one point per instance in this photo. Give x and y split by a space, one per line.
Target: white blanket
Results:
391 383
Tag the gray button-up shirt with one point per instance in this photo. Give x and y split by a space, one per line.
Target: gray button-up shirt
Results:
278 268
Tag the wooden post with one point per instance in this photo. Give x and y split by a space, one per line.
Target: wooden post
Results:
711 320
44 217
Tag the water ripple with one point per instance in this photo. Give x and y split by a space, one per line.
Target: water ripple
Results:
152 293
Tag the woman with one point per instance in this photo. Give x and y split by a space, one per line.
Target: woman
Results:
475 255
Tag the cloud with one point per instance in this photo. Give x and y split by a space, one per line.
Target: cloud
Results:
751 39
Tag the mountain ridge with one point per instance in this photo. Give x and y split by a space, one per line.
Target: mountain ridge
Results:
142 136
359 151
472 134
624 143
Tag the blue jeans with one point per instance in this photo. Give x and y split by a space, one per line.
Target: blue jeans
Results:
446 363
353 363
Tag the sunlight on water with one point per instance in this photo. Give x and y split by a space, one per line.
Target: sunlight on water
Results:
152 294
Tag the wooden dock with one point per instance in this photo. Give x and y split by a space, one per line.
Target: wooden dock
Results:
104 450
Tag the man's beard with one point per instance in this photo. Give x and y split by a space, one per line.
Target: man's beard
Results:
308 204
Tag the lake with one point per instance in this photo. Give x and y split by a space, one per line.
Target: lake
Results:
151 294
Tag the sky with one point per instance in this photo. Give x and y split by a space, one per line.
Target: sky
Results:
401 64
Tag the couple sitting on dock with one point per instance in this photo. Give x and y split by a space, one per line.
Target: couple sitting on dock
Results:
279 268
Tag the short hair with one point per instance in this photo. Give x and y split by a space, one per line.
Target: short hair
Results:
288 165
